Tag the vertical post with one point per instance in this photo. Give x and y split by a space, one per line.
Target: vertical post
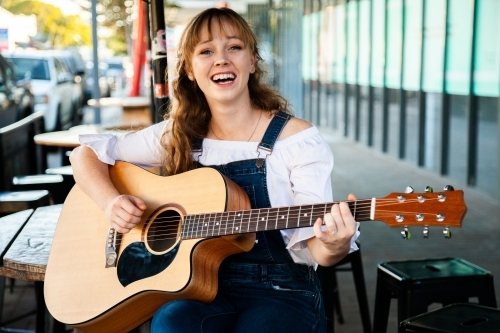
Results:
159 60
370 87
358 87
385 97
96 94
472 114
402 92
346 86
445 124
422 95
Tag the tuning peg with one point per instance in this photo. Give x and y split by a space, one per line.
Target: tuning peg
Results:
409 189
447 233
429 189
406 234
426 232
449 188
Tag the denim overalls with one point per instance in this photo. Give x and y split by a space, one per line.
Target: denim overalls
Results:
262 290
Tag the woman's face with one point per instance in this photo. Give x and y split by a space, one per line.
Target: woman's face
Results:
222 65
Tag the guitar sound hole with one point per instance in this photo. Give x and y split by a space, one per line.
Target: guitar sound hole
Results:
163 232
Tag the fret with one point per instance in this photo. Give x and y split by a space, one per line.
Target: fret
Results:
257 223
311 213
277 219
194 219
298 216
185 225
271 215
355 205
198 225
267 218
224 225
287 216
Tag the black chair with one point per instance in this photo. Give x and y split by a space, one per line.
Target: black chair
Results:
330 290
20 155
418 283
457 318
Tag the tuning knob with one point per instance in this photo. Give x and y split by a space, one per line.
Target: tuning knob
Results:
447 233
409 189
429 189
406 234
426 232
449 188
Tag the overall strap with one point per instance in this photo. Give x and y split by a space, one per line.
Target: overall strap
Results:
271 136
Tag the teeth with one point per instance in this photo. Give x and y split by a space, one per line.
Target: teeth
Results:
223 77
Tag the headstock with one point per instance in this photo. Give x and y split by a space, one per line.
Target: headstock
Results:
429 209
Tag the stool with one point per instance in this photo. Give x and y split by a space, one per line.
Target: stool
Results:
456 318
418 283
329 286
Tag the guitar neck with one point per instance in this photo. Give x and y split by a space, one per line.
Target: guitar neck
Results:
264 219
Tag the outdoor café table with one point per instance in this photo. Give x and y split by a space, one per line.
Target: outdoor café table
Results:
24 254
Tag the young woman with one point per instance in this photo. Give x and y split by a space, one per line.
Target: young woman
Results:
226 118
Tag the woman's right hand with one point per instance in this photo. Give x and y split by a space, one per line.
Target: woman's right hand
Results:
124 212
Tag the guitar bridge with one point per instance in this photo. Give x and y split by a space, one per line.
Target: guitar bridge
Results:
112 243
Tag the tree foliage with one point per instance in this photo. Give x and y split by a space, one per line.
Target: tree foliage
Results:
117 17
60 30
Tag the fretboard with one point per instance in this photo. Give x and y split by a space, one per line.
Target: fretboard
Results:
264 219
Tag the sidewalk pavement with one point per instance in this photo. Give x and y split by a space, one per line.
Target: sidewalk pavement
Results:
369 173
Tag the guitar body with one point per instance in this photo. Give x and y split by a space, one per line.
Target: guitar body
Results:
80 290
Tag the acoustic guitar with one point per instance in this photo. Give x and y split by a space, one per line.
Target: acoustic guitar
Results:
99 280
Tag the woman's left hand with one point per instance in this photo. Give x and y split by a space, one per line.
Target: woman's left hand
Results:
336 232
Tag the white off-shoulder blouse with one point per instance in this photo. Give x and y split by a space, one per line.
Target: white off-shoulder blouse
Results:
298 169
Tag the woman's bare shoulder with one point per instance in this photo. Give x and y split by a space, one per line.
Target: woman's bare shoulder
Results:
294 126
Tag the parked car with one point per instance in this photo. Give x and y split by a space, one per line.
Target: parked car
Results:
16 97
53 86
76 66
116 72
104 87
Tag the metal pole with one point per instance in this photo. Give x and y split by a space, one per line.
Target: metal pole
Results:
159 60
96 94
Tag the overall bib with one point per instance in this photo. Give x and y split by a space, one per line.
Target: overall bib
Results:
262 290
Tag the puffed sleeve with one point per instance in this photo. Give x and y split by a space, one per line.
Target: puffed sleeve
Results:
141 148
310 176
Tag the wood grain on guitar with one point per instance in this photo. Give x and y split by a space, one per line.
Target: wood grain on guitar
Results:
194 220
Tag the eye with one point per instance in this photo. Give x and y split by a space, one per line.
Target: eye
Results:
235 47
206 52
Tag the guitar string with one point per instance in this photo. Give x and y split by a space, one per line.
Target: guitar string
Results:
223 228
230 224
360 209
247 214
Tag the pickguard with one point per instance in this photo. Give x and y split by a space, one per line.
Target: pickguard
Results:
137 263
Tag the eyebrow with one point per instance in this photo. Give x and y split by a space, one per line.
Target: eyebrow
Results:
209 40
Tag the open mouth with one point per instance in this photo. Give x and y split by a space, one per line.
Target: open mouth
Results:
223 78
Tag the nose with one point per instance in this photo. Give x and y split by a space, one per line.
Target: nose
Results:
221 60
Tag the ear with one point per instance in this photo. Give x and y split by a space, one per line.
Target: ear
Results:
253 61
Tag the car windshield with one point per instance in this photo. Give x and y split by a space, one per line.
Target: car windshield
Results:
29 68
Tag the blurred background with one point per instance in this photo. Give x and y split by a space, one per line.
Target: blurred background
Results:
415 79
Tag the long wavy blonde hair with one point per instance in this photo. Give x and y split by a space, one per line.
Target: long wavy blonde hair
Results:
189 113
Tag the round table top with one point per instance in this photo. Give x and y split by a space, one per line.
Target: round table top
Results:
70 138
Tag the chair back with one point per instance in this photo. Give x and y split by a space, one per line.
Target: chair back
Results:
19 155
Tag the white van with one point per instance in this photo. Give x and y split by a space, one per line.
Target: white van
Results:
53 86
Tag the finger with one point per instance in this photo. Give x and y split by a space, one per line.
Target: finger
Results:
351 197
318 229
138 203
132 205
330 223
